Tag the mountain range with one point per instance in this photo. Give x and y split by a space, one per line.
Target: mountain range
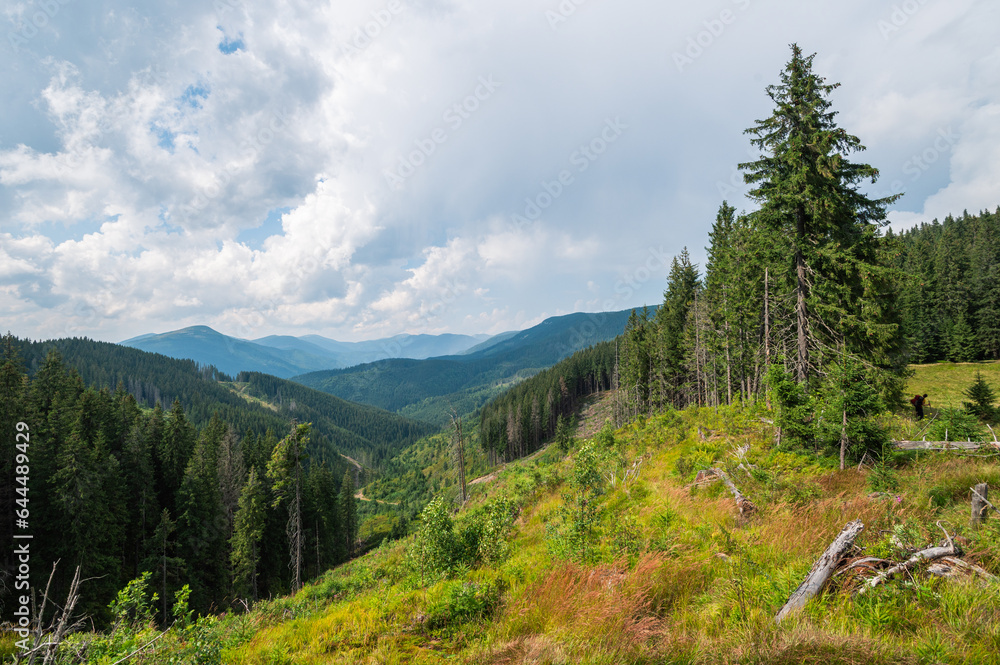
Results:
432 389
286 356
426 377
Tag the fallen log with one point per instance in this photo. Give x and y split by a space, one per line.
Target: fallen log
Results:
821 570
942 445
744 504
953 567
929 554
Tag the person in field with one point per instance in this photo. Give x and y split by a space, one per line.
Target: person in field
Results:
918 404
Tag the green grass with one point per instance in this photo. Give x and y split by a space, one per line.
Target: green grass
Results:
674 576
945 383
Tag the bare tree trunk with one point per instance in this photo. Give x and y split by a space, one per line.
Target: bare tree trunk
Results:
744 504
802 364
843 440
980 502
821 570
459 454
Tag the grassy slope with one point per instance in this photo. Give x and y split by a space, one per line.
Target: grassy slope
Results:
944 383
678 578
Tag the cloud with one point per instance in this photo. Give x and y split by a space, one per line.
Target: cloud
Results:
141 147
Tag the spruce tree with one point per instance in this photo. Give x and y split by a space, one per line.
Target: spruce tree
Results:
809 193
983 400
249 529
348 513
286 470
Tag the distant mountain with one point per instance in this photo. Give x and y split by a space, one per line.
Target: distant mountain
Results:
428 389
229 354
286 356
253 403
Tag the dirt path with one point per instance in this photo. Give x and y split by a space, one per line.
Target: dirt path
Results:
361 495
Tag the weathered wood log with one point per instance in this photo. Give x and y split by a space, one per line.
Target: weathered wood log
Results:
929 554
979 503
744 504
941 445
868 563
950 566
821 570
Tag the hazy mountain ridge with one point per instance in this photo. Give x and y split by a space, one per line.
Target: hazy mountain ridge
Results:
285 356
448 381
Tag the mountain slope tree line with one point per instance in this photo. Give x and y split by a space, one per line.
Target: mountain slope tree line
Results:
122 490
808 301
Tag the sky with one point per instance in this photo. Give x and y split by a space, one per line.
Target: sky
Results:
363 168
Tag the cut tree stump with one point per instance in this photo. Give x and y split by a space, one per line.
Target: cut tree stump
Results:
821 570
744 504
980 502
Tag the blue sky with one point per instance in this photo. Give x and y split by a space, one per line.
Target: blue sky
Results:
366 168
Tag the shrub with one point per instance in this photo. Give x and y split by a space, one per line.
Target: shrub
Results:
434 549
463 602
956 425
131 608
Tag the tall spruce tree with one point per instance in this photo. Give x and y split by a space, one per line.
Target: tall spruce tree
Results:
809 193
249 529
348 513
287 471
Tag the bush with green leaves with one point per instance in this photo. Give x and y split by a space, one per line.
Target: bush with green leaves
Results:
574 535
955 425
496 522
433 552
132 607
463 602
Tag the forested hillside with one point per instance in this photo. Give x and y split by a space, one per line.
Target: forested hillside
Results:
362 432
467 381
950 298
120 490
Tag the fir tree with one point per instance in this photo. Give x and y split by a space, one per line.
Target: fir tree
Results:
983 400
247 534
348 513
286 471
809 193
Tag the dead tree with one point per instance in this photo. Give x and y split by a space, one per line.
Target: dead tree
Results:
744 504
456 421
981 496
47 640
821 570
929 554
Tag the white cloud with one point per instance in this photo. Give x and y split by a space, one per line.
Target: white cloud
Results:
138 162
